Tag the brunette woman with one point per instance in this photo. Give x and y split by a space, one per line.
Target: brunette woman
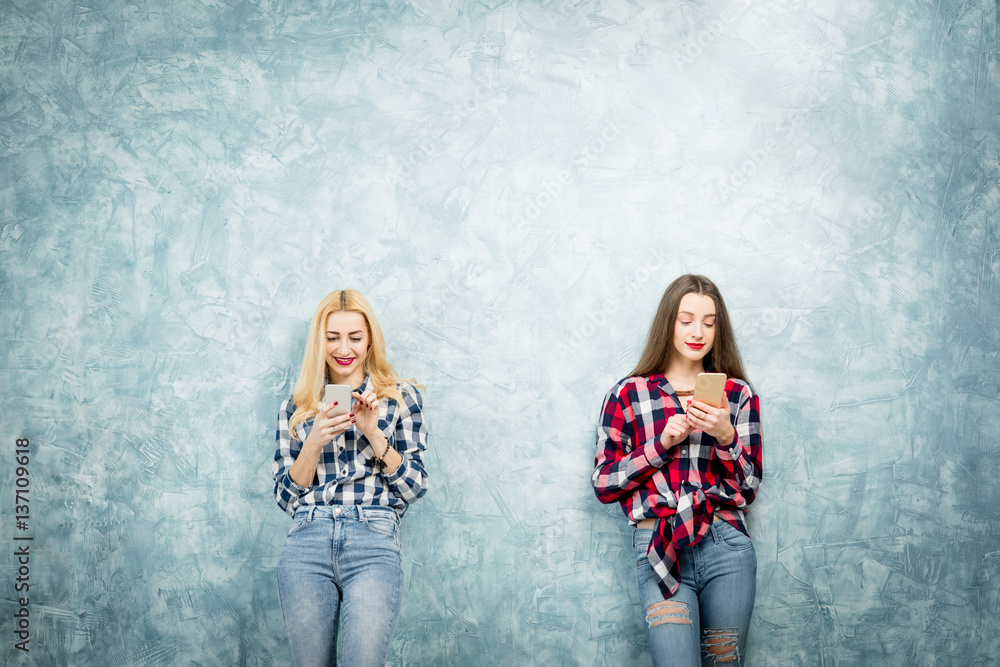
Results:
684 472
346 480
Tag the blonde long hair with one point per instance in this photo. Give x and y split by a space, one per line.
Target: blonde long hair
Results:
308 393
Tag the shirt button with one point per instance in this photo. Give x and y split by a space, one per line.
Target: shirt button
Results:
684 451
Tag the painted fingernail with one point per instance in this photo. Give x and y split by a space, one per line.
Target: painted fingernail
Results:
335 403
352 414
352 421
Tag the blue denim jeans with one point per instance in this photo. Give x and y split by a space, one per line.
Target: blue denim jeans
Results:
340 582
706 621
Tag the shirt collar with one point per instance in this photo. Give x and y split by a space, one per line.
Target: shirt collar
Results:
661 379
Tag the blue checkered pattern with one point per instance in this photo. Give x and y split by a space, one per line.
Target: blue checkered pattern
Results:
344 475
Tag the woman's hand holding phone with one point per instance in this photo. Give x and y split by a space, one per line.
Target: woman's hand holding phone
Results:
714 421
327 428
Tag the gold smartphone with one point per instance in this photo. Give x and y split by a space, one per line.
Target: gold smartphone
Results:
710 388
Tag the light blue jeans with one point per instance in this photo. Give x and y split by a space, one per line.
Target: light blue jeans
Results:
706 621
341 565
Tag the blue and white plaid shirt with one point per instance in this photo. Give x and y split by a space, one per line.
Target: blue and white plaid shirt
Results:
344 474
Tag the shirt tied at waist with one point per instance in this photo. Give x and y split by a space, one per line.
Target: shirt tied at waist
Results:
683 527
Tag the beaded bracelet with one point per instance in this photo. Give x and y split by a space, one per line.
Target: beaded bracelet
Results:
378 462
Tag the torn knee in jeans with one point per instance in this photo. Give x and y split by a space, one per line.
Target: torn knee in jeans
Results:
667 611
721 645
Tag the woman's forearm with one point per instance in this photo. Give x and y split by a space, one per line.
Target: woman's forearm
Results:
303 471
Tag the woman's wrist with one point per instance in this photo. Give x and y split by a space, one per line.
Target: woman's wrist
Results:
728 438
312 448
310 456
303 471
378 443
380 447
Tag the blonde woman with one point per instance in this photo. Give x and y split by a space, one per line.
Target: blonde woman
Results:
346 480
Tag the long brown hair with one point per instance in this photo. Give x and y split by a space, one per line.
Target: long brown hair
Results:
724 356
309 389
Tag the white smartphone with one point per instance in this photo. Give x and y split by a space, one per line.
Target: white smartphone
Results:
340 393
710 388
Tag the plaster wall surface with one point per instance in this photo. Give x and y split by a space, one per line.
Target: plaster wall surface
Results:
512 185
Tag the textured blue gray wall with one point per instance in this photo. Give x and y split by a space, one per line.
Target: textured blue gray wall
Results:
512 184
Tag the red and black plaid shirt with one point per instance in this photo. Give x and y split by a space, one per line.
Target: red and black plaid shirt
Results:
682 488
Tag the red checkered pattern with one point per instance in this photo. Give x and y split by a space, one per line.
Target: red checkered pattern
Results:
683 488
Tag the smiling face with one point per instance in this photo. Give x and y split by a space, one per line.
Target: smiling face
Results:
694 329
346 347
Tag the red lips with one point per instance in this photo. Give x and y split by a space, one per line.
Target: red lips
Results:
695 346
340 360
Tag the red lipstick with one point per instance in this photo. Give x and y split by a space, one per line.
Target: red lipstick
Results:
696 346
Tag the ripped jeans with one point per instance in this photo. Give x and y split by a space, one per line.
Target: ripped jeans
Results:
706 621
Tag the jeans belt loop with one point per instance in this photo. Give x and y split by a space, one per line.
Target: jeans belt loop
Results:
361 514
312 511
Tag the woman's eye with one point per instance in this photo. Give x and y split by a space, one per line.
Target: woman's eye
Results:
709 325
355 340
685 323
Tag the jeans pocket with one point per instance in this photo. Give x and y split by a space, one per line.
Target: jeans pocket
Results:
733 538
382 523
298 524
